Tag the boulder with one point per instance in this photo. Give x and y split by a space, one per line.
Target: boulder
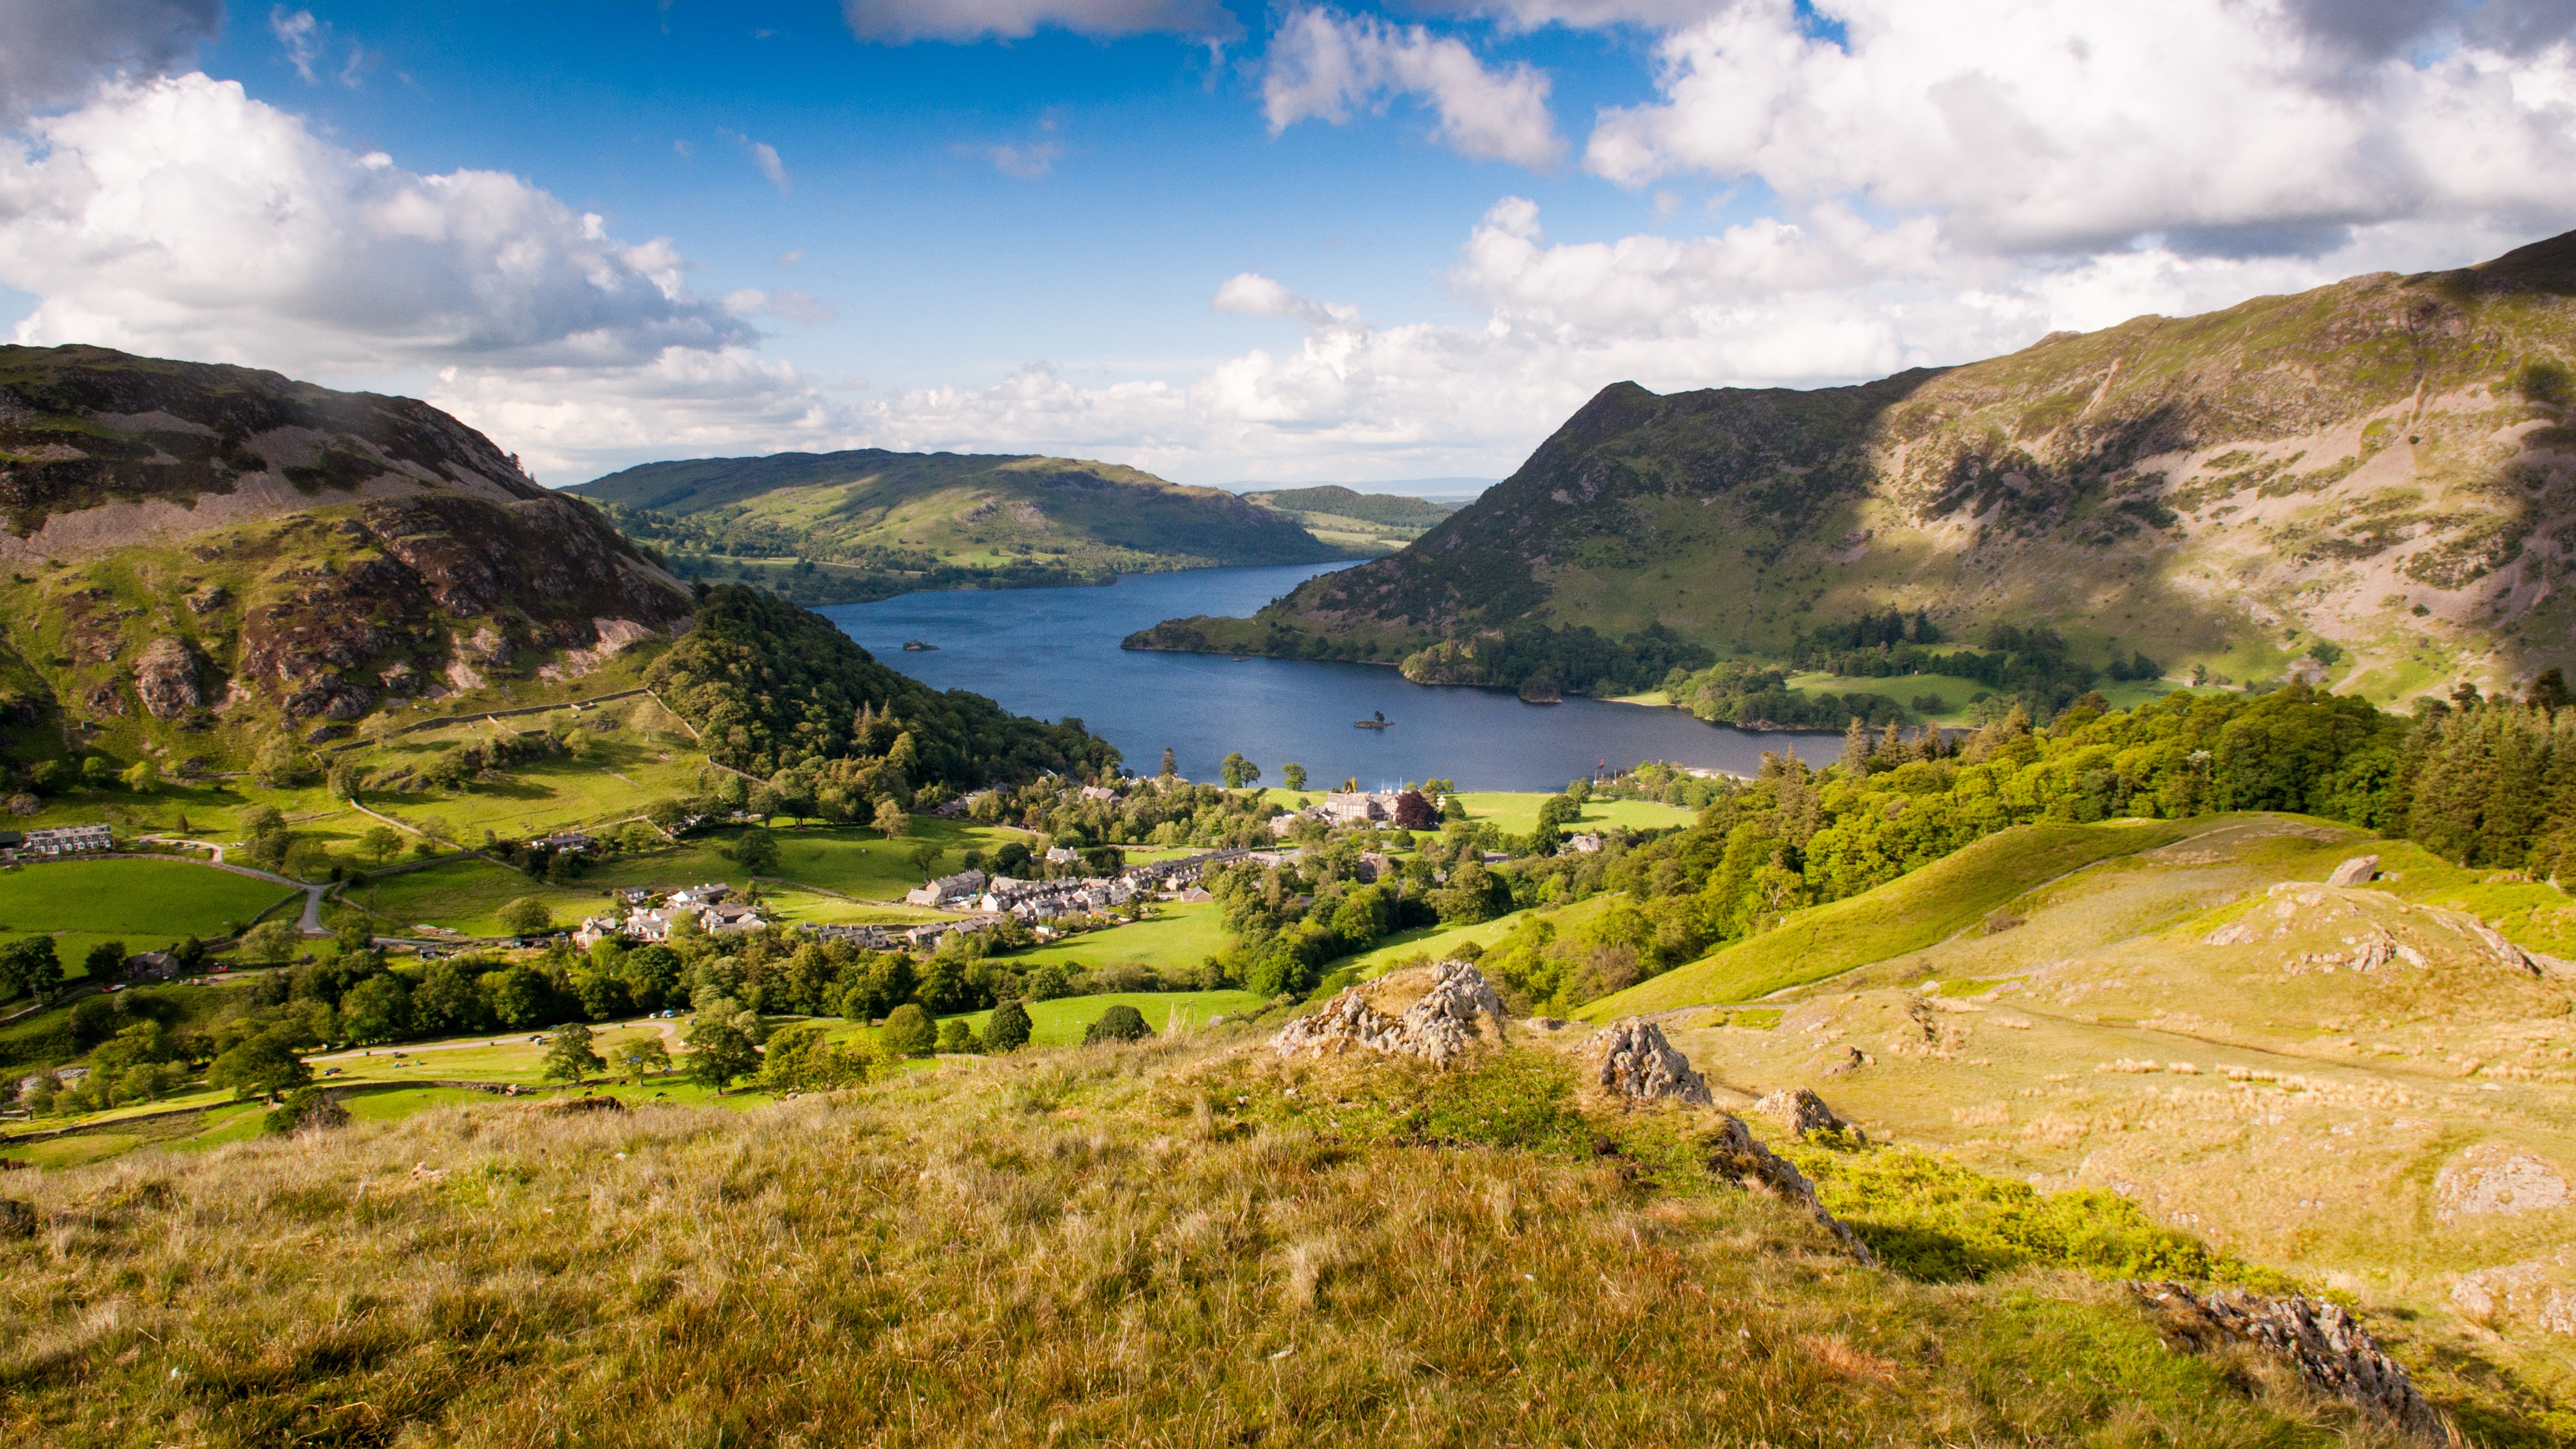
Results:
2360 870
2331 1351
1799 1111
2494 1178
1434 1013
1631 1059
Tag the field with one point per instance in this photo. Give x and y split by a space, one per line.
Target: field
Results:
1179 937
1442 942
1061 1022
146 904
1516 812
1164 1243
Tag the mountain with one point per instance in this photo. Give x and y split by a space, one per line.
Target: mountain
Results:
2366 484
872 523
1371 522
209 550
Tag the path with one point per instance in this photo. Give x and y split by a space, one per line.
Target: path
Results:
311 925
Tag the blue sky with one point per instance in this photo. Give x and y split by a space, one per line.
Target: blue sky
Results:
1304 243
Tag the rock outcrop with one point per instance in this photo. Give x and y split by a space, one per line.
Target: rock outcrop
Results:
1736 1153
2360 870
2493 1178
169 678
1799 1111
1632 1060
2332 1353
1434 1014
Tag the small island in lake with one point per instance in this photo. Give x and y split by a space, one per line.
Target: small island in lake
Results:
916 646
1376 721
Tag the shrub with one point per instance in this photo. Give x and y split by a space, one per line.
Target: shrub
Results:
1009 1028
525 916
908 1031
955 1036
1119 1023
305 1109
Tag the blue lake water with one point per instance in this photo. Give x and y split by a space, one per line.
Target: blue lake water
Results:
1054 653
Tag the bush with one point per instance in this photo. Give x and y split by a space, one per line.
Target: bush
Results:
525 916
305 1109
908 1031
956 1037
1119 1023
1009 1028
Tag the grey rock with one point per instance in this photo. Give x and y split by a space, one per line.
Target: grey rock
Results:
1459 1010
1799 1111
1632 1059
2360 870
168 677
2330 1350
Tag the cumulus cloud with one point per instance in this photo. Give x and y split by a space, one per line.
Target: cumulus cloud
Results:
56 49
179 216
1323 65
902 21
2064 126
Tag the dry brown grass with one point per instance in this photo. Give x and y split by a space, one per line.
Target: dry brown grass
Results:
1150 1245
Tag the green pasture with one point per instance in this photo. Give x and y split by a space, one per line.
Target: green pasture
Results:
146 904
1442 943
1178 938
1062 1021
1515 812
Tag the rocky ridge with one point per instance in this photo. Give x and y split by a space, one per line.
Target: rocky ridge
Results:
2385 466
201 545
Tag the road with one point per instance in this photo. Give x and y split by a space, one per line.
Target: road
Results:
312 922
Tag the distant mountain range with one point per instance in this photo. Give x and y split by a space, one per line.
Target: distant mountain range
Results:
823 527
2372 483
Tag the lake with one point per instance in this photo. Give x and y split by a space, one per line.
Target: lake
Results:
1054 653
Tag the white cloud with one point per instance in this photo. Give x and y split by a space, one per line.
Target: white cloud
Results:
56 49
1323 65
308 43
1033 162
2065 126
764 156
902 21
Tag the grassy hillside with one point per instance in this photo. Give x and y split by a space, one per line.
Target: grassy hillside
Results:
1107 1246
1366 523
2163 485
841 527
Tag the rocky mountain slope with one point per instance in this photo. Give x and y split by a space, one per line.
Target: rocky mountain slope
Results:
871 522
2369 483
211 550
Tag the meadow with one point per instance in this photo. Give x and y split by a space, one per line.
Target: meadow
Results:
147 904
1163 1243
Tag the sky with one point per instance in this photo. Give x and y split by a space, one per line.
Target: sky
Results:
1301 243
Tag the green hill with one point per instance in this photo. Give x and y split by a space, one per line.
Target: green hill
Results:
1367 521
869 523
2366 483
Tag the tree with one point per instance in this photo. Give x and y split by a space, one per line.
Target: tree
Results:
644 1056
756 850
1171 764
570 1055
377 1009
1119 1023
1293 775
908 1032
263 1065
2549 691
381 844
142 777
29 964
890 819
925 860
276 766
105 961
1413 812
525 916
96 771
271 943
1009 1028
1237 771
721 1052
957 1038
